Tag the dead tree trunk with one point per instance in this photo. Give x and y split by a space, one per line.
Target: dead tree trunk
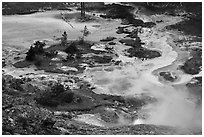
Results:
83 10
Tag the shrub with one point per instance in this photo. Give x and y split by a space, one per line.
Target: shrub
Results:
30 54
64 39
85 33
72 49
38 49
57 89
56 96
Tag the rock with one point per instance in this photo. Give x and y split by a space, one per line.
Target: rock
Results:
118 62
131 42
121 30
159 21
111 43
17 58
3 63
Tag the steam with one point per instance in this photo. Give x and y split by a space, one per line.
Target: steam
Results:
172 108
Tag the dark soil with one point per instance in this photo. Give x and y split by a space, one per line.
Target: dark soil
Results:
167 76
143 53
121 30
102 59
108 39
131 42
149 24
193 24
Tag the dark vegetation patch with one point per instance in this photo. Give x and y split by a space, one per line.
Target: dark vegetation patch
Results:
72 49
171 8
192 66
117 11
11 8
161 7
58 95
193 24
82 99
196 52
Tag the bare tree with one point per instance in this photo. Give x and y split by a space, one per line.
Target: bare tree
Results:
85 33
64 39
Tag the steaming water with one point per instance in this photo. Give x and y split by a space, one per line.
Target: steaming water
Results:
134 77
